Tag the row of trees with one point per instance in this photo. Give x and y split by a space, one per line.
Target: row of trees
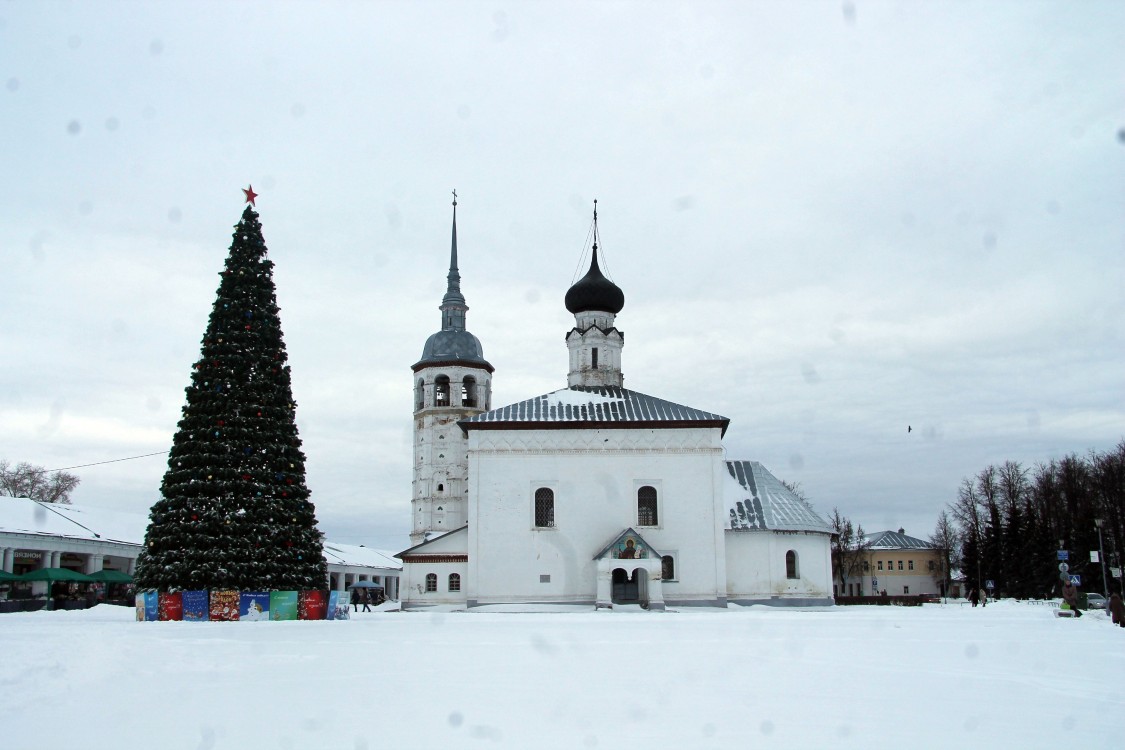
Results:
29 480
1008 522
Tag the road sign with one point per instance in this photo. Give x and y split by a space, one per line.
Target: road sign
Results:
1063 567
989 585
1076 579
1064 554
1094 556
874 582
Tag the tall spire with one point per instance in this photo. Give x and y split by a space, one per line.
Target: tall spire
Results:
453 287
453 343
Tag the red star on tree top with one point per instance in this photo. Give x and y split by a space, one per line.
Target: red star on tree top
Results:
250 194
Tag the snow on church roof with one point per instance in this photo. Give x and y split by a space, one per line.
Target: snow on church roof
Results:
597 405
756 499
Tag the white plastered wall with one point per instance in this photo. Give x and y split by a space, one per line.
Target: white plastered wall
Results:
756 567
594 475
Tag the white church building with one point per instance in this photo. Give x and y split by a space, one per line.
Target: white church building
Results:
593 494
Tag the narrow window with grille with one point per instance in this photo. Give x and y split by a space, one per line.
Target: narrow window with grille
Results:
544 507
646 506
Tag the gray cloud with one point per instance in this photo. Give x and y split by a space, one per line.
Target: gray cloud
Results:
828 225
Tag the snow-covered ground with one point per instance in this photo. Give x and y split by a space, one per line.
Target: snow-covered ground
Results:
938 676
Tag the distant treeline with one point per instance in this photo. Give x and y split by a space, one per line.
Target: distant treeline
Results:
1008 523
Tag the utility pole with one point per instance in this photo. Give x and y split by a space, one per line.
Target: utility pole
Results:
1101 556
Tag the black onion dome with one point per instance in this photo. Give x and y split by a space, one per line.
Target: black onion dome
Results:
595 292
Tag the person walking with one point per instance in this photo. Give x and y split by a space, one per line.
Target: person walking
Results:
1070 596
974 597
355 599
365 599
1117 609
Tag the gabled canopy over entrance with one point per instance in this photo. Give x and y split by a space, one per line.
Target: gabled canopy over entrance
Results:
629 572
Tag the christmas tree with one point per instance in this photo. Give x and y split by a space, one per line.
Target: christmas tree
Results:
234 511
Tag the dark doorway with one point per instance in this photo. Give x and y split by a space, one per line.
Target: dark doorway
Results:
626 589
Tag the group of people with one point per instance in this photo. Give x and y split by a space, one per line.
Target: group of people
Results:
1115 606
366 597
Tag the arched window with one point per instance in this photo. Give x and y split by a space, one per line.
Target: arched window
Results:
420 394
646 506
431 582
454 581
469 391
441 390
440 487
667 568
791 568
544 507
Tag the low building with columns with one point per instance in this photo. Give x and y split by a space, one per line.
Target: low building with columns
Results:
85 539
593 494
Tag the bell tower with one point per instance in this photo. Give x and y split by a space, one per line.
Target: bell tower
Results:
452 381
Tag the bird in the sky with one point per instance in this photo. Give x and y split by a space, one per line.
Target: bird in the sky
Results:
908 429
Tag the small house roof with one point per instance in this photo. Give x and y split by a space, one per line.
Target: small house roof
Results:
896 540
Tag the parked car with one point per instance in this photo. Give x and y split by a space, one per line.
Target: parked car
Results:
1095 601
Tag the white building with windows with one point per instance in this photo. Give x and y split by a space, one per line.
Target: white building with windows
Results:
592 494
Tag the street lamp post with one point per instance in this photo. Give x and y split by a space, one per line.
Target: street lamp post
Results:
1101 556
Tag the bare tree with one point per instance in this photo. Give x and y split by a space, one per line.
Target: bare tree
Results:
849 548
945 540
29 480
795 488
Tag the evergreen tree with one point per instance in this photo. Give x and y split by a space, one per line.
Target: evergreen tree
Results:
235 511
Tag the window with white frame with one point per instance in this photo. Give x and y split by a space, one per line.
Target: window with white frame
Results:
454 581
431 582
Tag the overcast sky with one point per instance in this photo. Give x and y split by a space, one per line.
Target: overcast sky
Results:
830 221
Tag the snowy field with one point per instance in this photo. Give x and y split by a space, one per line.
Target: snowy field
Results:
939 676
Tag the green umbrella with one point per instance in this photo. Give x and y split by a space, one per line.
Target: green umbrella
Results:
111 576
56 574
6 576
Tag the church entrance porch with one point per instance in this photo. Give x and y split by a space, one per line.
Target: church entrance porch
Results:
639 583
630 571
